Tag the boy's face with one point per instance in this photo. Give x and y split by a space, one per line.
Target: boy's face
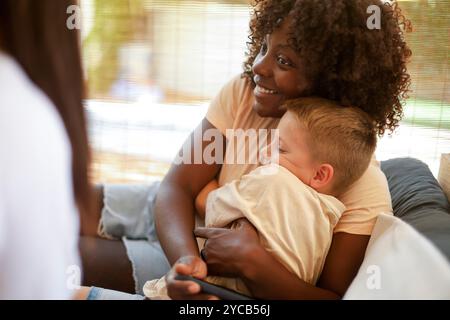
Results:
294 153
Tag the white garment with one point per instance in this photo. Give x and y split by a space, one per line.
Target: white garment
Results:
295 223
38 218
400 263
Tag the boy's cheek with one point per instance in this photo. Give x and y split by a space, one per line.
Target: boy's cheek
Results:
283 162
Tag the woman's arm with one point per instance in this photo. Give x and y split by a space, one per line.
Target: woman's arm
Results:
174 207
238 253
268 279
343 261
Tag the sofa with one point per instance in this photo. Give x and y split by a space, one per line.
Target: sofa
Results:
418 199
408 255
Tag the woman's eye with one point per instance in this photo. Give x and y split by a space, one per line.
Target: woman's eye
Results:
282 61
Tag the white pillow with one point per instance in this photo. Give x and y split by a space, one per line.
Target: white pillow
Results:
400 263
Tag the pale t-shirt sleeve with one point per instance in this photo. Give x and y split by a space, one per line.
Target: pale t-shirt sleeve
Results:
365 200
222 109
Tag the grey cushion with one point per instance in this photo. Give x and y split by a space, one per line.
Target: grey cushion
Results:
418 199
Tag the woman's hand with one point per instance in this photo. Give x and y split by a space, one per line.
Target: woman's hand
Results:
226 250
187 290
238 253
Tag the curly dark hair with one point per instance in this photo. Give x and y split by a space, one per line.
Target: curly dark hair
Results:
347 62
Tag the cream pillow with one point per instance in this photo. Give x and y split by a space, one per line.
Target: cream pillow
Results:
400 263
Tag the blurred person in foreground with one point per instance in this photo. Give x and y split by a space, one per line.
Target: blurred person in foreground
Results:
45 155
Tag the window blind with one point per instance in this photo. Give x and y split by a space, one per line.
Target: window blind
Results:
153 66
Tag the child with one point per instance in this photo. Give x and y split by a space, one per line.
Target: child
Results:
323 149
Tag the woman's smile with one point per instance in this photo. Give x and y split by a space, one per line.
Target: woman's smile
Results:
268 101
265 94
261 90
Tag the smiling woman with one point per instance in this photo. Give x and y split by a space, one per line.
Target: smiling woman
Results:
296 48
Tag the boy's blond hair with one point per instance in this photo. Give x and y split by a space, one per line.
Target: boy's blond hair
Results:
344 137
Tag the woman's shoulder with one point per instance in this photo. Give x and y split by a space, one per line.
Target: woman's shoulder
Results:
17 90
226 107
364 201
26 113
32 134
240 86
371 187
237 93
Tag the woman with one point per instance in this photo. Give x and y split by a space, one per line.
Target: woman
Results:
44 161
297 48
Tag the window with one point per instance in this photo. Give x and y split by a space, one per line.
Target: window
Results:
425 130
153 66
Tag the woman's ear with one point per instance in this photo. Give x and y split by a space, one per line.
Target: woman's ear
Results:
324 175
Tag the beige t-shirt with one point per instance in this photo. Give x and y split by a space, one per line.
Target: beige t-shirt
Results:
294 222
233 109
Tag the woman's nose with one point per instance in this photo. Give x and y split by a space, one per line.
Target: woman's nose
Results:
262 66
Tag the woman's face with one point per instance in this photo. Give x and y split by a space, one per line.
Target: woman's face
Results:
278 73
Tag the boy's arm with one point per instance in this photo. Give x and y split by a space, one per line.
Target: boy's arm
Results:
200 201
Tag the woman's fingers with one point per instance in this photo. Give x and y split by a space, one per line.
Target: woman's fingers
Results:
227 249
189 270
187 290
180 290
191 266
183 269
208 233
244 224
183 288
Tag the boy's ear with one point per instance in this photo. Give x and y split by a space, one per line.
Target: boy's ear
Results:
324 174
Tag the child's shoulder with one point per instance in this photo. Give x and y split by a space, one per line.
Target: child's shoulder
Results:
273 176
